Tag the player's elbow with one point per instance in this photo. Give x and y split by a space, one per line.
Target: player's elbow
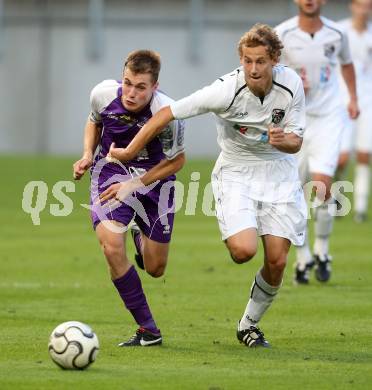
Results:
298 144
295 145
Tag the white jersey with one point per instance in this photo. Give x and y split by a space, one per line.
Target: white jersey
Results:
361 52
243 119
316 58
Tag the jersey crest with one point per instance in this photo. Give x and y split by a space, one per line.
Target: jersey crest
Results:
329 50
277 115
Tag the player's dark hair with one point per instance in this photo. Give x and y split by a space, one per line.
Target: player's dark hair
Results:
262 35
144 61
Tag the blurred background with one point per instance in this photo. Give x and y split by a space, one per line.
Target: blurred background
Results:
53 52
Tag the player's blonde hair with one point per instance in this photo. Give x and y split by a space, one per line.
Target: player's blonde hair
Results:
144 61
262 35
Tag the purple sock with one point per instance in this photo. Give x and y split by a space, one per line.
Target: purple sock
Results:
130 289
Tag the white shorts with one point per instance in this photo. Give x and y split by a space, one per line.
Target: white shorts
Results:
266 196
358 134
321 145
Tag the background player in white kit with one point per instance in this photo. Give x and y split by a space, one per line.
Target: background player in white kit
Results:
313 46
260 114
359 136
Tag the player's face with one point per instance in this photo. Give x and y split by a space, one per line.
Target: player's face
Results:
137 90
361 9
258 69
310 7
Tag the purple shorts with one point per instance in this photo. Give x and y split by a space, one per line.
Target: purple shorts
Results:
152 208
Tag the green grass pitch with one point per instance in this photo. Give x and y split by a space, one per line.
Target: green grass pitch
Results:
321 335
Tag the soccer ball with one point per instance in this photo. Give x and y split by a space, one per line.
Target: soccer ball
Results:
73 345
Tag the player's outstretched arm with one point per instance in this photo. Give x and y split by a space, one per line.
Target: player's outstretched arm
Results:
348 74
92 133
285 142
165 168
151 129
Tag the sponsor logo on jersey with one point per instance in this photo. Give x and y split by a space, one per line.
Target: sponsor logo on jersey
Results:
242 114
242 129
264 137
123 119
277 115
325 74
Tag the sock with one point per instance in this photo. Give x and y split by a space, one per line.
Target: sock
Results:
323 227
262 295
130 290
361 188
303 254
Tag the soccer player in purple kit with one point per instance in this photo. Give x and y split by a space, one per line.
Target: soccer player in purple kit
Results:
118 111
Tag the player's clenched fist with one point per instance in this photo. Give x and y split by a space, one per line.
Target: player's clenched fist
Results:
276 136
81 166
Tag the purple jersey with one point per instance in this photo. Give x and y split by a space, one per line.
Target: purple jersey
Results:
153 209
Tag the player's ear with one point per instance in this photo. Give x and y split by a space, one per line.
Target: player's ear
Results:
155 86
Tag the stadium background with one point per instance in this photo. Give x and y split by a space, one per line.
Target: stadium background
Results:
52 52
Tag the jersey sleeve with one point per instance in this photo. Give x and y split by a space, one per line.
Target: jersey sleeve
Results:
345 54
296 117
95 115
172 139
212 98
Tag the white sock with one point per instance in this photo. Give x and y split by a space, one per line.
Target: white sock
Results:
361 188
303 254
262 295
323 227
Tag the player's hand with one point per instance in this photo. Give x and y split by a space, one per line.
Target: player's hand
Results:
353 109
118 192
116 154
276 136
81 166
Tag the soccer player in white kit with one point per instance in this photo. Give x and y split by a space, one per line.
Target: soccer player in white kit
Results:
260 114
313 46
359 134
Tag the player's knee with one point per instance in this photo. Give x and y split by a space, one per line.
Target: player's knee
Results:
155 267
278 263
242 254
156 271
111 251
